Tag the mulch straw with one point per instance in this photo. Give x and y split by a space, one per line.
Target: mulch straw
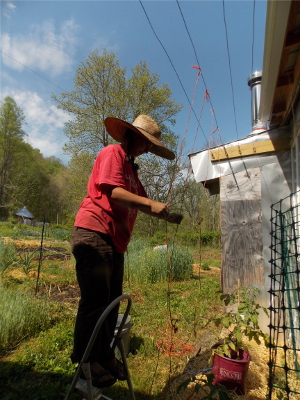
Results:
22 243
257 377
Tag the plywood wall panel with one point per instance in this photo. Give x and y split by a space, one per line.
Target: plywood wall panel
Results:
241 226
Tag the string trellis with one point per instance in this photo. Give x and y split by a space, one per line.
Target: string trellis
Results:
170 343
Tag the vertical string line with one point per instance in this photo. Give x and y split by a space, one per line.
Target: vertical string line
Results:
253 26
170 195
230 70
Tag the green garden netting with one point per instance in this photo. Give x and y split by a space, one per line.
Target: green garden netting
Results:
284 361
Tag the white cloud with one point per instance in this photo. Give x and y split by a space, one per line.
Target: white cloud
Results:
46 146
103 43
8 9
43 49
44 122
39 112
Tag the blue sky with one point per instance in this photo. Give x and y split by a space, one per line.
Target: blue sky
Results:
51 38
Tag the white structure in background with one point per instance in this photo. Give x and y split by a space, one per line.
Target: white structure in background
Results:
256 172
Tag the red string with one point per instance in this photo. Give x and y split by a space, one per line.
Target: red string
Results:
212 141
196 67
172 345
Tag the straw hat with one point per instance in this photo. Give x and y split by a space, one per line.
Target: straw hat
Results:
143 125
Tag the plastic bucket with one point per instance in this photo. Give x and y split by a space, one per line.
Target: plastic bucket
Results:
231 373
125 334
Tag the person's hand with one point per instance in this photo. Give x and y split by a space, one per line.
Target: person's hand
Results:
174 218
160 210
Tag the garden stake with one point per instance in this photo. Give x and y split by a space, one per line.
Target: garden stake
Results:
40 259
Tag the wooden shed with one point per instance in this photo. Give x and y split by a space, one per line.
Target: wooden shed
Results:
24 216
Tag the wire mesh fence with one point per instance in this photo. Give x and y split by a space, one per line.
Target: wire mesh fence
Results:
284 360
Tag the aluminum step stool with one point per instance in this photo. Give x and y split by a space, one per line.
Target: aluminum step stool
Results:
84 387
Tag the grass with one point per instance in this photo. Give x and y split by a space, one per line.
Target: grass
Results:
148 265
168 320
21 315
44 359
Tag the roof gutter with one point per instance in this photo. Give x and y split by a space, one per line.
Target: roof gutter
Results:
276 22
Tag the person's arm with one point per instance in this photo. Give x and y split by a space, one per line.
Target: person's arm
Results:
127 199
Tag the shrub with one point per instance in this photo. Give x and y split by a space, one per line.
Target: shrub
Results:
158 238
181 260
192 238
209 238
242 322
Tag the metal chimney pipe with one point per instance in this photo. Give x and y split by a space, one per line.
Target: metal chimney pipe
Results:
254 82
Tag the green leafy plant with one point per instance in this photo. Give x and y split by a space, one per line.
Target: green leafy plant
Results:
26 256
242 322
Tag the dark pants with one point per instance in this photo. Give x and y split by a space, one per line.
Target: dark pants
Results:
99 270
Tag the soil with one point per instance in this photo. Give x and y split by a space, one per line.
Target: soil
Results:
61 293
71 293
34 246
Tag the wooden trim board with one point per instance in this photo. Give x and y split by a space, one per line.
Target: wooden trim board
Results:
250 149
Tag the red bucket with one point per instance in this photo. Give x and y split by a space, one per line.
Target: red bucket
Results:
231 373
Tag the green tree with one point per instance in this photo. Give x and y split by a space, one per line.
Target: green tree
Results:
30 182
99 91
158 176
102 89
11 134
26 177
199 207
45 195
73 184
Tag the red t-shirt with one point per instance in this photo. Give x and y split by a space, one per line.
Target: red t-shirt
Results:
97 212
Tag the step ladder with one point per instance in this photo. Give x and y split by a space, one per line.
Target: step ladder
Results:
84 386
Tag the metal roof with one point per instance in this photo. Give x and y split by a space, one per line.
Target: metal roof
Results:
23 212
